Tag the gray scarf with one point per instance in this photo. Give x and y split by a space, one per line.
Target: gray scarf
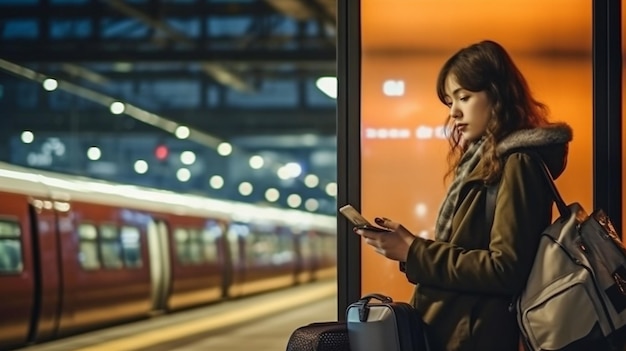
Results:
469 160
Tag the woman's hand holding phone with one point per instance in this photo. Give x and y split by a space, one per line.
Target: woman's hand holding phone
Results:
390 239
358 220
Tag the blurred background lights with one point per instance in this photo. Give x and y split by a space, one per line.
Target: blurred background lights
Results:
224 149
50 84
294 200
141 166
245 188
117 108
27 137
294 169
421 210
161 152
311 205
182 132
328 86
256 162
311 181
331 189
216 182
424 132
290 170
393 87
188 157
183 174
94 153
272 195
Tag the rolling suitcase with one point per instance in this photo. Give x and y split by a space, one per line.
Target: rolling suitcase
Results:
387 325
320 336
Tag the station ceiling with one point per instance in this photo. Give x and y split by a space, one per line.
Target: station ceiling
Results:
226 68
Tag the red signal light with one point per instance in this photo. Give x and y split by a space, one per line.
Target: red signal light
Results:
161 152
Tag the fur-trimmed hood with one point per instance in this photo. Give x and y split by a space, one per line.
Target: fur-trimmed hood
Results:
551 142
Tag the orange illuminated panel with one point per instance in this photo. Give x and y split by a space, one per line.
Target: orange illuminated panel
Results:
403 151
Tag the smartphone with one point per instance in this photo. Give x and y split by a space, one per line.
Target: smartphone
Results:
358 220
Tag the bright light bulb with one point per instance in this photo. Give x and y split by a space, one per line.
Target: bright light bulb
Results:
272 195
311 181
141 166
117 108
328 86
27 137
94 153
224 149
311 205
183 175
256 162
182 132
331 189
216 182
245 188
50 84
294 200
188 157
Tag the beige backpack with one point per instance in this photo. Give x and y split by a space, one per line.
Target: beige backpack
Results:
575 295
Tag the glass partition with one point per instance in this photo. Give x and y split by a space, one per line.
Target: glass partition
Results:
403 151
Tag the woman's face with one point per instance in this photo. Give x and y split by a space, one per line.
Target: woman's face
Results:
469 110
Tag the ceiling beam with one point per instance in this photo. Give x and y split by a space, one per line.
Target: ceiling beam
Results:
114 53
178 10
221 74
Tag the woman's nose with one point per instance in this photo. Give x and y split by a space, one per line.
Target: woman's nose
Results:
454 112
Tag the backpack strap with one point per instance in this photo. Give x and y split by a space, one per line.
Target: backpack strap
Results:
564 211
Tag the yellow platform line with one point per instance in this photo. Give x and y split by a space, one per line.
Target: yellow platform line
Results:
217 321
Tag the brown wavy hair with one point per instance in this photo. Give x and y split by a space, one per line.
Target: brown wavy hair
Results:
486 66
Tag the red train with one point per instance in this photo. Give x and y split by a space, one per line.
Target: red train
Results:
78 254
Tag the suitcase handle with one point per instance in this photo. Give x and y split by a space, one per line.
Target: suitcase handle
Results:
364 309
382 298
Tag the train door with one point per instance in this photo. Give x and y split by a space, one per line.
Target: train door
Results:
17 285
160 268
47 270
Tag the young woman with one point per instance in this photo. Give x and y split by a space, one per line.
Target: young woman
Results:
466 278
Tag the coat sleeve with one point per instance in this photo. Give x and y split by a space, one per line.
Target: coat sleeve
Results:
523 210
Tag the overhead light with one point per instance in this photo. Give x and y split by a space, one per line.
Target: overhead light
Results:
27 137
182 132
328 86
50 84
224 149
117 108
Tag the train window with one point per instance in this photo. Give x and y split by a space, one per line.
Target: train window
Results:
131 246
88 246
261 247
284 249
189 246
10 247
306 245
194 246
209 236
180 236
110 246
235 231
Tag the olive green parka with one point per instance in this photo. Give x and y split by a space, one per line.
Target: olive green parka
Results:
464 287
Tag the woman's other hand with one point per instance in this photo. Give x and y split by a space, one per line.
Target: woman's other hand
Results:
394 244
